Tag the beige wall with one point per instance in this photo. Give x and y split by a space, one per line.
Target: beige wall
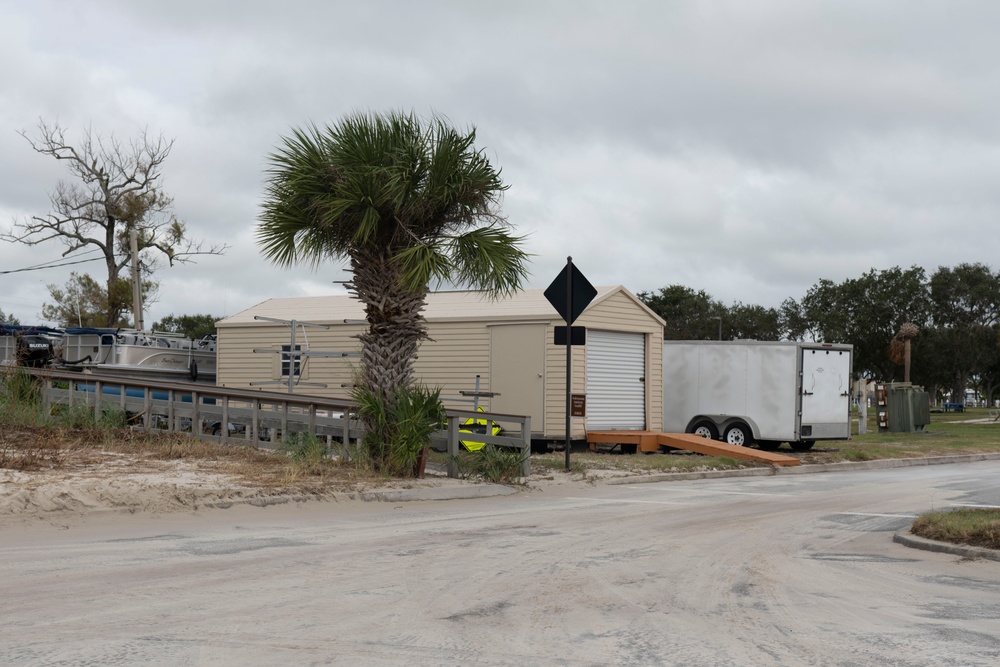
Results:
239 365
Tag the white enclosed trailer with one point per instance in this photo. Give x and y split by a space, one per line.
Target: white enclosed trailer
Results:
752 392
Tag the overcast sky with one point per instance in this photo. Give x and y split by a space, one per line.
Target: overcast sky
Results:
745 148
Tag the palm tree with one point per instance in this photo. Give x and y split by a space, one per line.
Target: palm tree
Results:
408 202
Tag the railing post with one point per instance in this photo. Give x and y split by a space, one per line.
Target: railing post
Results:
225 420
347 434
526 436
98 388
46 397
284 423
171 423
254 429
195 416
453 447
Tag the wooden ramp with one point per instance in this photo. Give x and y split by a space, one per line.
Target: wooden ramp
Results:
651 441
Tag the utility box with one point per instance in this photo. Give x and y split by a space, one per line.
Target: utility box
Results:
902 408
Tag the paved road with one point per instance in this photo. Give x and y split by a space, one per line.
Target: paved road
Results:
796 570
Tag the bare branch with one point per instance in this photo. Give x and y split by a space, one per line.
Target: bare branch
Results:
115 188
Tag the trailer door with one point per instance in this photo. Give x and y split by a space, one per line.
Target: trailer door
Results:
616 381
826 393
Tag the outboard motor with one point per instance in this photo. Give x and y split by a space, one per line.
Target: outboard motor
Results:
34 351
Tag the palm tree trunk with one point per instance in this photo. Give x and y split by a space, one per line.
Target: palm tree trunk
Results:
395 323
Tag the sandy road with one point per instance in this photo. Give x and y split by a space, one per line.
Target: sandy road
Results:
796 570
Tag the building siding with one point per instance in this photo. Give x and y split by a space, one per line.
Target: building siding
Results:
457 351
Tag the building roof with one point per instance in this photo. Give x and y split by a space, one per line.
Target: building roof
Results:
528 304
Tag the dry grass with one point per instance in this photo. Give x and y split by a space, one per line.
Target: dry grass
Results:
96 451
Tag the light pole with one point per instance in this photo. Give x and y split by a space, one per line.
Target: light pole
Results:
717 317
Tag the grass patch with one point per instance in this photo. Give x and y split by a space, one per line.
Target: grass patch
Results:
499 465
978 527
581 462
309 454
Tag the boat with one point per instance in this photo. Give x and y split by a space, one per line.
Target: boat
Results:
147 354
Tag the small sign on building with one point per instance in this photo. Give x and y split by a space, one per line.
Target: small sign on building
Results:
578 405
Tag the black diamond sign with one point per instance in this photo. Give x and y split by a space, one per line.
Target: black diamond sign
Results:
581 293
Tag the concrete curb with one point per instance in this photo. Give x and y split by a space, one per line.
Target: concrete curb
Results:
879 464
914 542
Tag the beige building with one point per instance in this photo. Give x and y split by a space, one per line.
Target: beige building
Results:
509 344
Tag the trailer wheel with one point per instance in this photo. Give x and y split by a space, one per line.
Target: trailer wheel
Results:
768 445
739 434
706 430
803 445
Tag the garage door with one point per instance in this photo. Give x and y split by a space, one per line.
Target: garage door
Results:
616 381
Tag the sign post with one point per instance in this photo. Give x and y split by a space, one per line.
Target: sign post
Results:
570 294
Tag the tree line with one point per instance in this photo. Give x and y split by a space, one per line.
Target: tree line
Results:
956 311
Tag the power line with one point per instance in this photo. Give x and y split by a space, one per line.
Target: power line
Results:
39 267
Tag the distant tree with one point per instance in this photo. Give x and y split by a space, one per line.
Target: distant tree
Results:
8 319
751 322
192 326
794 323
867 313
695 315
966 308
689 314
987 375
82 301
116 189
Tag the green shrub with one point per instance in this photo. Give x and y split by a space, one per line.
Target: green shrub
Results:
397 434
19 387
76 416
500 465
112 417
307 451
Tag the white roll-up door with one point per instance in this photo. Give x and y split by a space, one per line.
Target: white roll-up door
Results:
616 381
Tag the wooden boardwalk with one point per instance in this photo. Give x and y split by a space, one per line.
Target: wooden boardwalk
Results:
651 441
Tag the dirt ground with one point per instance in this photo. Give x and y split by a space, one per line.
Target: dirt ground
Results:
47 471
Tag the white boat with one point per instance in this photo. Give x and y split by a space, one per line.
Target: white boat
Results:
140 354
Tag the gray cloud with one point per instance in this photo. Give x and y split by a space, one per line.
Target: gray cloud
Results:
748 149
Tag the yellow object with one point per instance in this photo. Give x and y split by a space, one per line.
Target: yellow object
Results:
480 426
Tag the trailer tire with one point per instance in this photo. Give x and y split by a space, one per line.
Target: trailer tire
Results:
706 430
739 434
802 445
768 445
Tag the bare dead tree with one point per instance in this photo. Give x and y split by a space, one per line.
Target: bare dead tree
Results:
116 188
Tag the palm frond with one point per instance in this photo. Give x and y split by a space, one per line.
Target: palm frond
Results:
490 259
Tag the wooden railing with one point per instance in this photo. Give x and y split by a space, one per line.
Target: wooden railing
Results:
258 418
